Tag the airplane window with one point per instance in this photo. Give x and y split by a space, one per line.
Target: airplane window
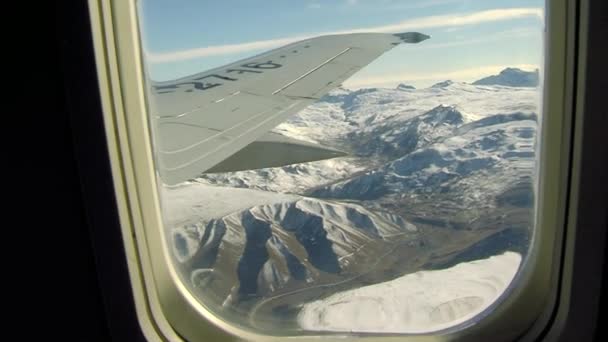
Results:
347 165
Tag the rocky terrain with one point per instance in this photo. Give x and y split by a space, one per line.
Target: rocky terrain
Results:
434 177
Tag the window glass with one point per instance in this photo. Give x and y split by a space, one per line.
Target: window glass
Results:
345 165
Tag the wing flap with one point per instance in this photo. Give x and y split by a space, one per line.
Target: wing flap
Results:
200 148
274 150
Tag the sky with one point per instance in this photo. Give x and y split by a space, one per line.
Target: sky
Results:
471 39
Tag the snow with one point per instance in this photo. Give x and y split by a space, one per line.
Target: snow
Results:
469 142
448 153
389 123
511 77
295 178
420 302
193 202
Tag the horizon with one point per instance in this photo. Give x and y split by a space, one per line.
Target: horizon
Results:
470 39
405 83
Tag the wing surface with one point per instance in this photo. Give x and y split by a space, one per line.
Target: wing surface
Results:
203 119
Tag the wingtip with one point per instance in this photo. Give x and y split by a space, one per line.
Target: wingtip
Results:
412 37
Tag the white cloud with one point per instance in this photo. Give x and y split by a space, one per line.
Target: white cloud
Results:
452 29
314 6
457 20
464 75
384 5
424 4
452 20
514 33
218 50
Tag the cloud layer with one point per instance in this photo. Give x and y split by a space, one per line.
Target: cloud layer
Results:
452 20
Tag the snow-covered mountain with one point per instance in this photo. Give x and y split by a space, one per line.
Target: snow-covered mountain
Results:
434 177
403 86
376 126
511 77
421 302
296 241
443 84
475 161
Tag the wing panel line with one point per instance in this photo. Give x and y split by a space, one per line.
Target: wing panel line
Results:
311 71
181 166
223 132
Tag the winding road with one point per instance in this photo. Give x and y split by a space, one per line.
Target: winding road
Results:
263 302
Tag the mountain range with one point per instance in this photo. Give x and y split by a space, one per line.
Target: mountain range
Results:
511 77
434 177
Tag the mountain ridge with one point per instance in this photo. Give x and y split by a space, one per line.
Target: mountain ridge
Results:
511 77
430 172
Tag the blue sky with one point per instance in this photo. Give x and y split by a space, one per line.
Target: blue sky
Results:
470 38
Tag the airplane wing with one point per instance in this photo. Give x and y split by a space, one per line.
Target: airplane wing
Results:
203 120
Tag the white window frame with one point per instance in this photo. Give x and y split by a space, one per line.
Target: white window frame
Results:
165 307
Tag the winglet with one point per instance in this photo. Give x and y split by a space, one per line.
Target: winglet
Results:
412 37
